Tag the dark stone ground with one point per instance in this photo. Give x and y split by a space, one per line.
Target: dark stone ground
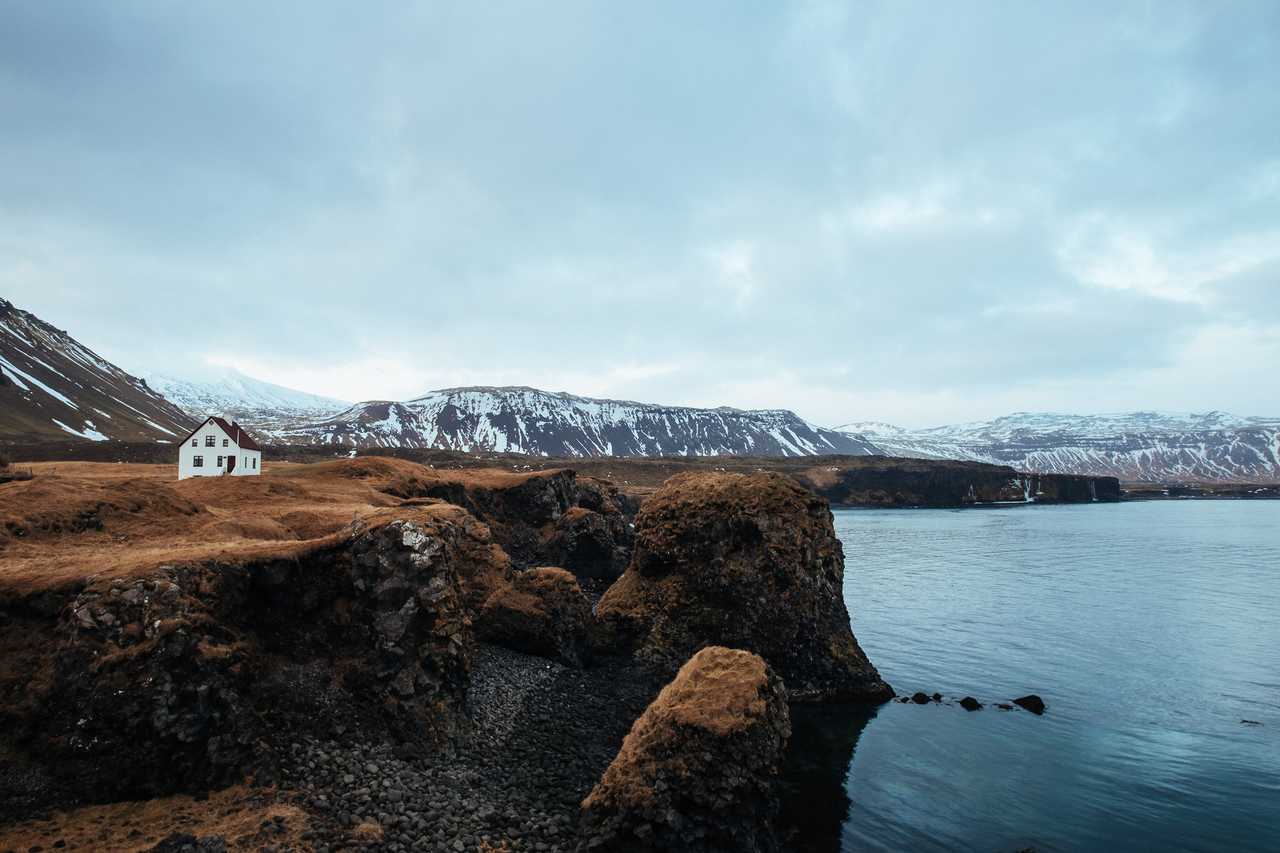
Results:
541 735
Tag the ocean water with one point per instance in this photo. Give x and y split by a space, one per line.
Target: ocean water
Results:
1151 630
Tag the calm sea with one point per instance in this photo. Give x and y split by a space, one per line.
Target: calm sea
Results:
1152 630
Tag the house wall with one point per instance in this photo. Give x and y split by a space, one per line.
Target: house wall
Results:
248 464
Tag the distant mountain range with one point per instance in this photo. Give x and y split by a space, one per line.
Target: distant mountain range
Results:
526 420
54 387
1138 447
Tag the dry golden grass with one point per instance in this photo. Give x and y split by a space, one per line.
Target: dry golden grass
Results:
235 813
719 690
49 526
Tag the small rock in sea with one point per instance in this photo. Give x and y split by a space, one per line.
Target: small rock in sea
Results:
920 698
970 704
1004 706
937 697
1031 702
1250 723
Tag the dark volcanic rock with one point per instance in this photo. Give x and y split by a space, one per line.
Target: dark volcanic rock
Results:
697 771
970 704
748 561
884 482
542 518
186 679
920 698
541 612
1031 702
592 545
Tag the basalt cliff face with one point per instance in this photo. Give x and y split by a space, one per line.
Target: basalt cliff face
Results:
941 483
189 676
746 561
388 675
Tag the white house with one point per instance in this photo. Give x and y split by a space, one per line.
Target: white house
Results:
216 448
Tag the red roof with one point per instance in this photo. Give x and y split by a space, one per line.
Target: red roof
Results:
233 430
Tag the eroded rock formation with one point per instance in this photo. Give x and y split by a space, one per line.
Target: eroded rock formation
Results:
540 518
697 770
188 677
541 612
748 561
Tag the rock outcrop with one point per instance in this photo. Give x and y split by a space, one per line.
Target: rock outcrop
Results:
540 518
886 482
747 561
188 677
540 612
697 771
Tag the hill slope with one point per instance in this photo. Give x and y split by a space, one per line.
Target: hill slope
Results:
526 420
1138 446
52 386
251 401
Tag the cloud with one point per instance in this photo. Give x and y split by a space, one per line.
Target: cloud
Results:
908 212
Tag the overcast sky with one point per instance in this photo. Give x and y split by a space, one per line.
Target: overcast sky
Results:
917 213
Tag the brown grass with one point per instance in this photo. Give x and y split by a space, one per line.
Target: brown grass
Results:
235 813
718 690
80 520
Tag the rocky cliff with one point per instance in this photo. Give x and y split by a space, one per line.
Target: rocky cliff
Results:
746 561
191 676
942 483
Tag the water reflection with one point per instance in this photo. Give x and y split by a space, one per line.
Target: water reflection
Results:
815 791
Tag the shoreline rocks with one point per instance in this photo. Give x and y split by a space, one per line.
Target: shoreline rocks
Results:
746 561
697 770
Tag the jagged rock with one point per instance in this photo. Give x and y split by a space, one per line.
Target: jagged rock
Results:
591 545
541 612
540 518
1031 702
749 561
697 770
183 679
970 704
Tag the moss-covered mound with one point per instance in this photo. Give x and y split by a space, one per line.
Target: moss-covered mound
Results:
747 561
541 612
696 771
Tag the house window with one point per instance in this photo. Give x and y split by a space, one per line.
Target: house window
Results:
219 461
197 462
224 442
208 441
255 464
195 442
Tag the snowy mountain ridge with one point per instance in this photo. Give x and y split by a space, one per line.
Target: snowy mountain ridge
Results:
229 392
527 420
54 387
1135 446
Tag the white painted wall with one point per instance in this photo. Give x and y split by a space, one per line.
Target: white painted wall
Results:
248 462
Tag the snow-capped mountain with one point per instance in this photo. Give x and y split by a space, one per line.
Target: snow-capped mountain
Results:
251 401
526 420
1137 446
54 387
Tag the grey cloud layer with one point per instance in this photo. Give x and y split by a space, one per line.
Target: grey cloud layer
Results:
875 211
